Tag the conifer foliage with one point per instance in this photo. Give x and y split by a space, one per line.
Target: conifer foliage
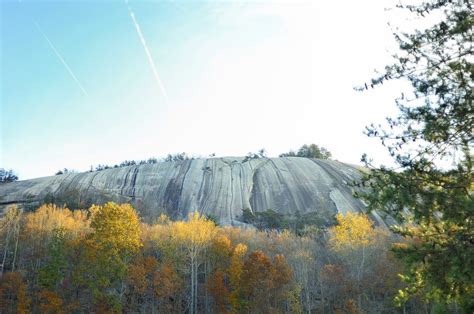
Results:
430 191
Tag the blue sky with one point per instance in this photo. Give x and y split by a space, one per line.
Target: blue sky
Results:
78 87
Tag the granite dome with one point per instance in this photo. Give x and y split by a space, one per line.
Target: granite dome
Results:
218 186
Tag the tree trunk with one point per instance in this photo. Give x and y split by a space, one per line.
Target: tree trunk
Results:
195 285
17 229
5 250
359 276
192 285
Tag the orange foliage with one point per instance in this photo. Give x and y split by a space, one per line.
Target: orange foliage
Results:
141 274
168 284
50 302
282 272
13 293
256 280
219 291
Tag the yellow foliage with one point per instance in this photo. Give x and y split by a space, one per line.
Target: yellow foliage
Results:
197 231
117 226
11 217
240 250
239 235
237 262
49 217
353 230
235 271
222 245
163 220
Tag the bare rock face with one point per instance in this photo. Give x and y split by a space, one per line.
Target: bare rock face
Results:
218 186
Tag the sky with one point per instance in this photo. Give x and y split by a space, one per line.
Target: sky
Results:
98 82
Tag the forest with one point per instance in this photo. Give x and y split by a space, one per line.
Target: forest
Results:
105 260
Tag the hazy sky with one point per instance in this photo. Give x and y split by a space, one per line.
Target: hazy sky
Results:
98 82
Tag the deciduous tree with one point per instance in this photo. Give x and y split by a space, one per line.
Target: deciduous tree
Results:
358 245
107 251
194 236
13 293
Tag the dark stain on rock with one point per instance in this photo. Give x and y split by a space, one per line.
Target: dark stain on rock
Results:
173 191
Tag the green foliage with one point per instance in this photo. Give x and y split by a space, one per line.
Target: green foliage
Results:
265 220
127 163
310 223
64 171
270 219
7 176
177 157
248 216
53 271
299 224
262 153
309 151
431 142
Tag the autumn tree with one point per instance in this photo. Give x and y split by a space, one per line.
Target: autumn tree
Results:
361 247
263 284
13 293
50 302
40 228
256 281
234 272
10 230
217 295
107 251
116 227
152 285
431 142
49 217
304 263
194 237
283 292
220 291
140 279
168 285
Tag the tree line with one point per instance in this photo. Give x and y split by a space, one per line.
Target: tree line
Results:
126 163
305 151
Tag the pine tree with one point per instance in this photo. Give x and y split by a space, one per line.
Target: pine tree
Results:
430 191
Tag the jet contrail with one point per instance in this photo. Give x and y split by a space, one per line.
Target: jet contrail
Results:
61 59
148 54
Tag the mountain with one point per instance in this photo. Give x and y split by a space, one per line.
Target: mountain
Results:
221 187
